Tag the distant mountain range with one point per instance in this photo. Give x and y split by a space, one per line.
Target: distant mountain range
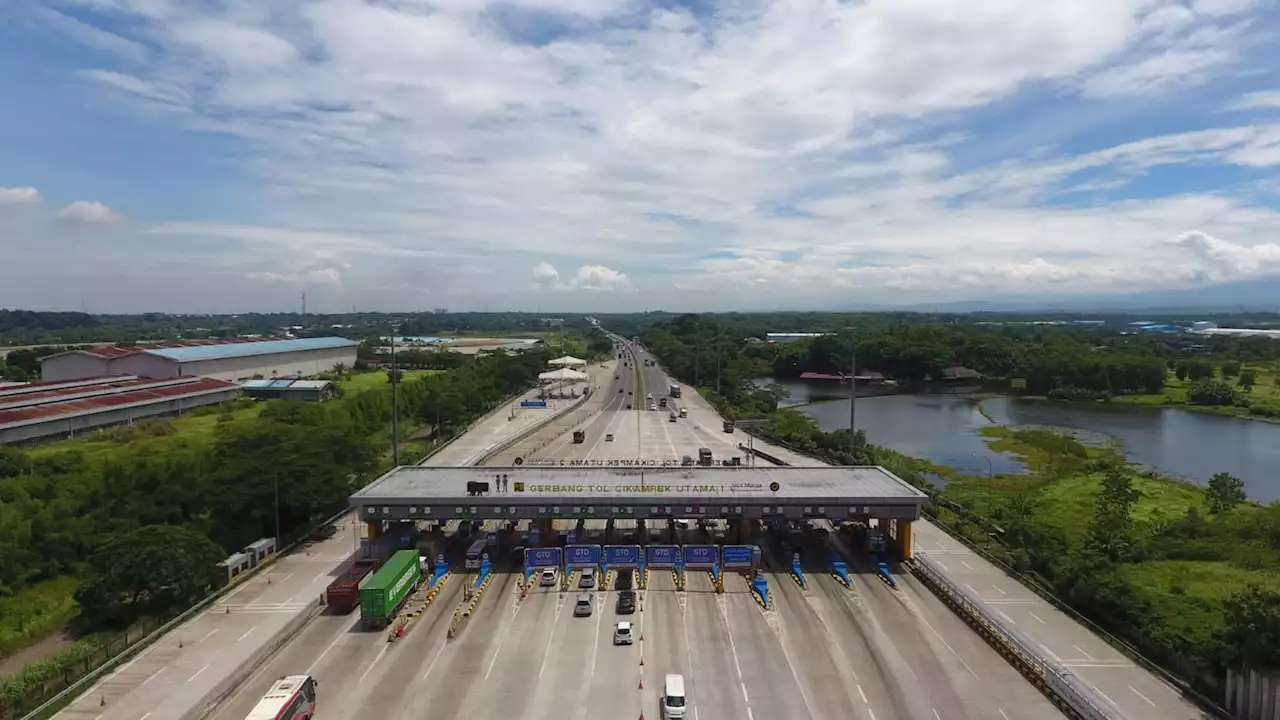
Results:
1256 295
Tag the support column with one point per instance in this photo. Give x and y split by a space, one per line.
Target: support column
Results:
899 535
374 530
546 529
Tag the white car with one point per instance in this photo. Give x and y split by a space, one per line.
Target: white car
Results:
622 634
548 578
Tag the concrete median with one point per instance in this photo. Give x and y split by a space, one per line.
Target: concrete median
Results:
210 702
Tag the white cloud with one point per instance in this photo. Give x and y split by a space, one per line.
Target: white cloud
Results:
87 211
588 277
769 151
1263 99
321 276
18 195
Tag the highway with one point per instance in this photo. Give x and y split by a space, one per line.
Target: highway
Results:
824 652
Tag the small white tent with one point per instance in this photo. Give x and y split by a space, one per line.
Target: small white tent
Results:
563 375
567 361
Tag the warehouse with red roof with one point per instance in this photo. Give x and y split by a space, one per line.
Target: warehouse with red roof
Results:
52 410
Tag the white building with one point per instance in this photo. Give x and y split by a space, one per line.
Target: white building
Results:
790 337
235 360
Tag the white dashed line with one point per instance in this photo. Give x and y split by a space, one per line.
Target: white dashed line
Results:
1037 617
1150 702
193 677
247 633
1082 652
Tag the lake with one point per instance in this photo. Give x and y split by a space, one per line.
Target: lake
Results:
944 429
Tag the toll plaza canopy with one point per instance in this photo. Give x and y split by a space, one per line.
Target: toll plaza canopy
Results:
450 493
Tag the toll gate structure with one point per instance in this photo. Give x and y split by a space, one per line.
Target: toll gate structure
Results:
737 494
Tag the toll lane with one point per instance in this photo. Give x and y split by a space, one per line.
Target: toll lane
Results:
718 687
769 671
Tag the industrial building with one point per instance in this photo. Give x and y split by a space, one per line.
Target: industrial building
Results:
54 410
233 360
790 337
301 390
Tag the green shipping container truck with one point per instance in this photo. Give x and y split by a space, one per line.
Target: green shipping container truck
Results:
387 590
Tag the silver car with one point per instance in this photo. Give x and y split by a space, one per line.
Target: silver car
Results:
582 608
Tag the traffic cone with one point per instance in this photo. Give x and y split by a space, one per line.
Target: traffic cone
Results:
268 579
641 684
102 701
641 661
228 609
179 643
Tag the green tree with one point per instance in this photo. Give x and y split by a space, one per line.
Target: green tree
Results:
157 569
1248 379
1212 392
1253 627
1199 370
1230 368
1111 530
1181 369
1224 492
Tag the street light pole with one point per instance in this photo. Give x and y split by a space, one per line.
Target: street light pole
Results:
275 486
395 406
853 390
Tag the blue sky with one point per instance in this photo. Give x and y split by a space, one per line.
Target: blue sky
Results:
226 155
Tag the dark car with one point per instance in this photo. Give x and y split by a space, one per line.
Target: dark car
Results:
626 602
624 580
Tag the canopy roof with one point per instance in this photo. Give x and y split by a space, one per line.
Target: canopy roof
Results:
567 361
562 374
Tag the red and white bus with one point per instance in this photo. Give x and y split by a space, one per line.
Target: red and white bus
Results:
290 698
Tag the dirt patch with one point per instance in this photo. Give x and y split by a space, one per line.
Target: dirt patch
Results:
42 650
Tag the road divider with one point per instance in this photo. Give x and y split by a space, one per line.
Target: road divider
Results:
797 573
1059 684
840 572
882 572
223 690
760 591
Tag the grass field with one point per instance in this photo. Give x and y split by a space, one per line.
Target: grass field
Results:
1182 599
374 379
196 426
35 613
1265 391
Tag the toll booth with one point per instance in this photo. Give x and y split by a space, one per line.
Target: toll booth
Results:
235 564
260 550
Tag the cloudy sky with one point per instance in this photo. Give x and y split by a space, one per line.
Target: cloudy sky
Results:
226 155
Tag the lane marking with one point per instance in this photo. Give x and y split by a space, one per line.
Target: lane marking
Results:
595 650
498 650
1104 696
863 695
936 715
1086 655
317 577
1006 617
943 640
998 589
207 635
439 652
144 717
555 620
942 565
966 564
247 633
326 652
1037 617
153 675
1144 697
193 677
374 663
791 665
1006 717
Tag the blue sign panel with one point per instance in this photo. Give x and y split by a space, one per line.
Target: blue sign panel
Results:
662 556
542 557
738 556
581 556
533 403
622 556
701 556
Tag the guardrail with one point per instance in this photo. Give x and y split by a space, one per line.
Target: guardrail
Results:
532 430
760 453
1057 683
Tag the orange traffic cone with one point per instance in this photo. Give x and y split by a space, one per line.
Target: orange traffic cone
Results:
641 683
641 661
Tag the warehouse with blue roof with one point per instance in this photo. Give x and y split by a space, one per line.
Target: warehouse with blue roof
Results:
235 360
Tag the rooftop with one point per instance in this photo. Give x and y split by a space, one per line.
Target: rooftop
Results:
285 384
192 350
35 404
530 486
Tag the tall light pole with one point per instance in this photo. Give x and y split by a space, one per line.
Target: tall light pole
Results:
395 406
275 487
853 390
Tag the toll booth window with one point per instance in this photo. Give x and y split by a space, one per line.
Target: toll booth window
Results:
386 511
458 510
